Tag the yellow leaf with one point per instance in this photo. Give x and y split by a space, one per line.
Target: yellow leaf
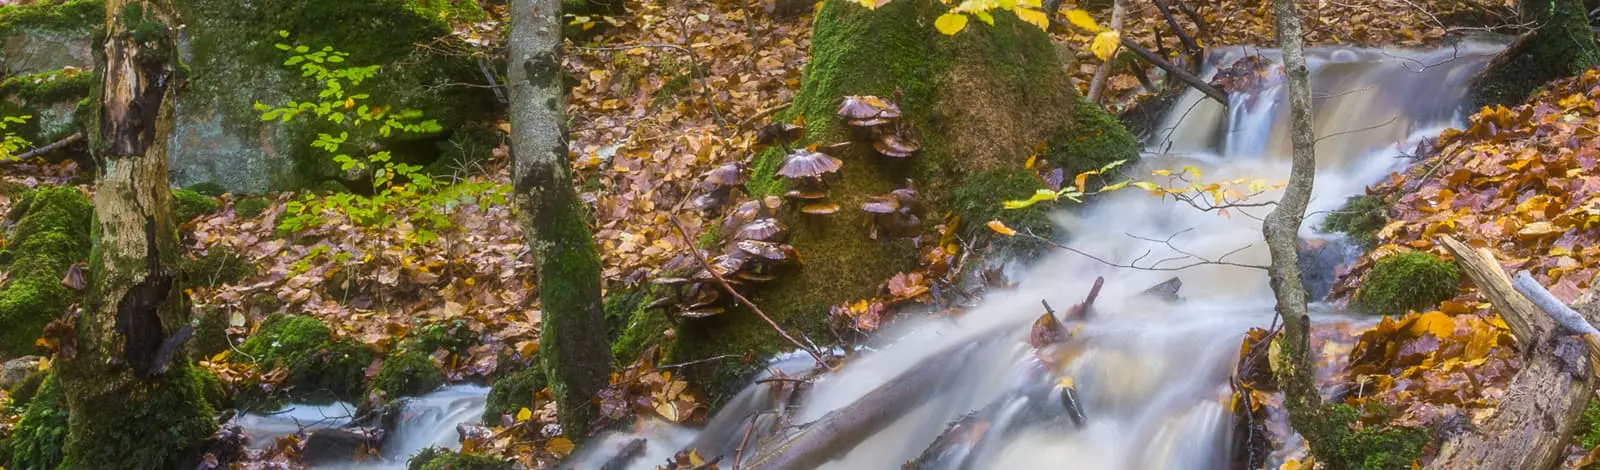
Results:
44 364
1032 159
1035 17
1082 20
524 414
1007 4
220 356
950 23
1065 382
1001 228
1436 323
1114 187
1105 44
560 446
984 16
1148 186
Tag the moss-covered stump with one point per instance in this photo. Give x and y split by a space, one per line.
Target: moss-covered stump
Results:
119 408
984 100
39 437
1360 219
52 233
218 136
321 368
1561 45
1407 281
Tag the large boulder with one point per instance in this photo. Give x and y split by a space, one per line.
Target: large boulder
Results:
44 65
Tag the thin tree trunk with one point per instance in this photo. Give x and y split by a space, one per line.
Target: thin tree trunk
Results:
573 346
1293 365
133 402
1097 86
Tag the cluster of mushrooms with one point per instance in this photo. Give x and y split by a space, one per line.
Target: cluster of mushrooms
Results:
755 248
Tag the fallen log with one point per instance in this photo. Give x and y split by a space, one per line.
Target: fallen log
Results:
1569 320
1176 72
1535 420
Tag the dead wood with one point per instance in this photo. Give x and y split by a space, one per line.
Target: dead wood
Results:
1176 72
1535 420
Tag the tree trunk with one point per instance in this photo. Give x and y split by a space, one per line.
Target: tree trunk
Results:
1559 45
983 100
133 402
1292 364
572 342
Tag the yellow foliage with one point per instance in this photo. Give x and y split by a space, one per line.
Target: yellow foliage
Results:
950 23
1082 20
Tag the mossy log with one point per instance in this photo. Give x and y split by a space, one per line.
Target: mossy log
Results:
132 401
1560 44
984 100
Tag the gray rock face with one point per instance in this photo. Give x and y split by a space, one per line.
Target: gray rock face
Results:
44 51
15 370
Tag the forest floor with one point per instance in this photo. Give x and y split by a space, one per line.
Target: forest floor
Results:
675 89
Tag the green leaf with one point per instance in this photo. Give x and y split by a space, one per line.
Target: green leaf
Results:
985 17
1038 196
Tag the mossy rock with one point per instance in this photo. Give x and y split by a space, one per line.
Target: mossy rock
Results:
234 65
512 393
1369 447
443 459
188 204
321 368
405 374
252 207
208 189
51 234
453 336
39 438
1563 45
219 265
47 35
210 333
1360 219
211 387
984 101
24 391
1407 281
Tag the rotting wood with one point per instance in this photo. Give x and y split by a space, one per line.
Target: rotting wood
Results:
1535 419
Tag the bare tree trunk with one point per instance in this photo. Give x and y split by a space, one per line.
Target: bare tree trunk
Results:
573 346
1293 365
133 402
1097 86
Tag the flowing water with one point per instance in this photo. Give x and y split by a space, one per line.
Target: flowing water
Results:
1151 374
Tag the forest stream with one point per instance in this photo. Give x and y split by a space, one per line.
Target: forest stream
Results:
1151 374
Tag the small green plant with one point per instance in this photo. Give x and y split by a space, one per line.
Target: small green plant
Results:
402 193
1412 280
11 145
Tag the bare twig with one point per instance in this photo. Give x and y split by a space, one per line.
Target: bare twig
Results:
763 113
1173 70
698 361
1157 266
51 147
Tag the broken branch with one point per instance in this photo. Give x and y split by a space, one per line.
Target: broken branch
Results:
1173 70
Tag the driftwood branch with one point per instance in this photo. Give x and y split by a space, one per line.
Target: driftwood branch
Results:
1535 419
52 147
1568 319
1182 75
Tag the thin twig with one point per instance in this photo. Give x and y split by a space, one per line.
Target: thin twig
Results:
763 113
1200 261
699 361
1174 71
51 147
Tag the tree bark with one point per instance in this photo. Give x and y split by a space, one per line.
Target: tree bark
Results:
1097 85
133 402
1292 364
573 344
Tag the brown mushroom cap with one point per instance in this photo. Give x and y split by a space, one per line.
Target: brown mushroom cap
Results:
766 250
669 281
899 142
806 194
726 175
820 208
866 111
836 148
756 277
703 312
908 198
804 163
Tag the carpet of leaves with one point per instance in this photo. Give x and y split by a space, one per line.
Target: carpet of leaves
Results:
1521 181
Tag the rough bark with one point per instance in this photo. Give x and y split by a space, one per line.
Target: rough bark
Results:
573 346
133 402
1293 366
1535 420
1559 44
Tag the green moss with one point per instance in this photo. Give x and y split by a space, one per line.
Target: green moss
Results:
211 387
252 207
1361 218
320 368
24 391
1370 447
1562 46
54 86
218 266
39 437
1407 281
406 374
188 204
55 16
512 393
620 305
1095 139
453 336
50 235
444 459
210 333
641 329
1588 431
208 189
152 423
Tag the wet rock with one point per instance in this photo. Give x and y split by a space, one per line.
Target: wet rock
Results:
38 52
341 445
17 369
